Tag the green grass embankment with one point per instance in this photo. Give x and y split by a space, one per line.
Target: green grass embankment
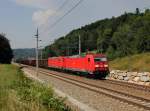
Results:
139 62
18 93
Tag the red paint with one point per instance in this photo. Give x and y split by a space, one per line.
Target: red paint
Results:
82 64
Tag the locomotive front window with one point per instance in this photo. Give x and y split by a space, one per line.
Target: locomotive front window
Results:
100 59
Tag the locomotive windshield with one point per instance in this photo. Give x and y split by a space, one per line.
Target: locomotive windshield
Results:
103 59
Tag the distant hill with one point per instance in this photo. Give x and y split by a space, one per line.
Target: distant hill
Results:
24 53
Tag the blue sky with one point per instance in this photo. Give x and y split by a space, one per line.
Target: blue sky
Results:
19 18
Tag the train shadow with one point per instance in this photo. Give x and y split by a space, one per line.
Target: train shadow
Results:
81 74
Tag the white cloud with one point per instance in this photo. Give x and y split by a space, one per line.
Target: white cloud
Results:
42 17
44 10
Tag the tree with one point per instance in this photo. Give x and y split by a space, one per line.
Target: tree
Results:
123 39
143 38
147 11
103 41
6 53
137 11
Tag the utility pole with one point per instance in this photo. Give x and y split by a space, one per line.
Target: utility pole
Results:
41 54
41 51
101 49
37 53
79 45
68 50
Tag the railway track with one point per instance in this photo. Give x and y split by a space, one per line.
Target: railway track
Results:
130 99
129 85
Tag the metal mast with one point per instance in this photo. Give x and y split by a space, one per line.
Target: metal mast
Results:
79 45
37 53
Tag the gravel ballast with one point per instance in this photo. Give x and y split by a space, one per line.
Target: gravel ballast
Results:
94 100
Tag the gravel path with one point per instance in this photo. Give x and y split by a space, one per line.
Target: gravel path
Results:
91 99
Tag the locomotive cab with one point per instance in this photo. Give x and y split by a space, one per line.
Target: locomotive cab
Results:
101 63
97 64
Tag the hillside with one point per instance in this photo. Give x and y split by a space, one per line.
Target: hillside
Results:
24 53
127 34
138 62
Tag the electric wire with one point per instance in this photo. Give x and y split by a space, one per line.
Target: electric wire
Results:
61 18
60 8
68 12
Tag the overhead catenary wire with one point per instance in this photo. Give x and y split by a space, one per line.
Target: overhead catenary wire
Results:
61 18
62 6
68 12
59 8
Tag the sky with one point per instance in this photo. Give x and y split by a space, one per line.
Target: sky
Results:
19 19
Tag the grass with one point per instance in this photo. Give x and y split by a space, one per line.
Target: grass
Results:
139 62
18 93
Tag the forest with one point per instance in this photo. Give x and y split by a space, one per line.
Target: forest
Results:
125 35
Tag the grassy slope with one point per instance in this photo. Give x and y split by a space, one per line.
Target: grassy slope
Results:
18 93
139 62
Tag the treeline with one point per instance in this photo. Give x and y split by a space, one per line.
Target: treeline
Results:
25 53
6 53
120 36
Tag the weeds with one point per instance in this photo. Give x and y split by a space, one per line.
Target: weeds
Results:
18 93
139 62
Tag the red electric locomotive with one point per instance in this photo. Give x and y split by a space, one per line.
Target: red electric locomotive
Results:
95 64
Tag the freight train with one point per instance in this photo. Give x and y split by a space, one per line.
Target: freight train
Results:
91 64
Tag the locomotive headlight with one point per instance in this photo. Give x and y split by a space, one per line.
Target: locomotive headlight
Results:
96 65
105 65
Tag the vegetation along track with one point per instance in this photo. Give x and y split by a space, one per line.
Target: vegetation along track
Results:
130 99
